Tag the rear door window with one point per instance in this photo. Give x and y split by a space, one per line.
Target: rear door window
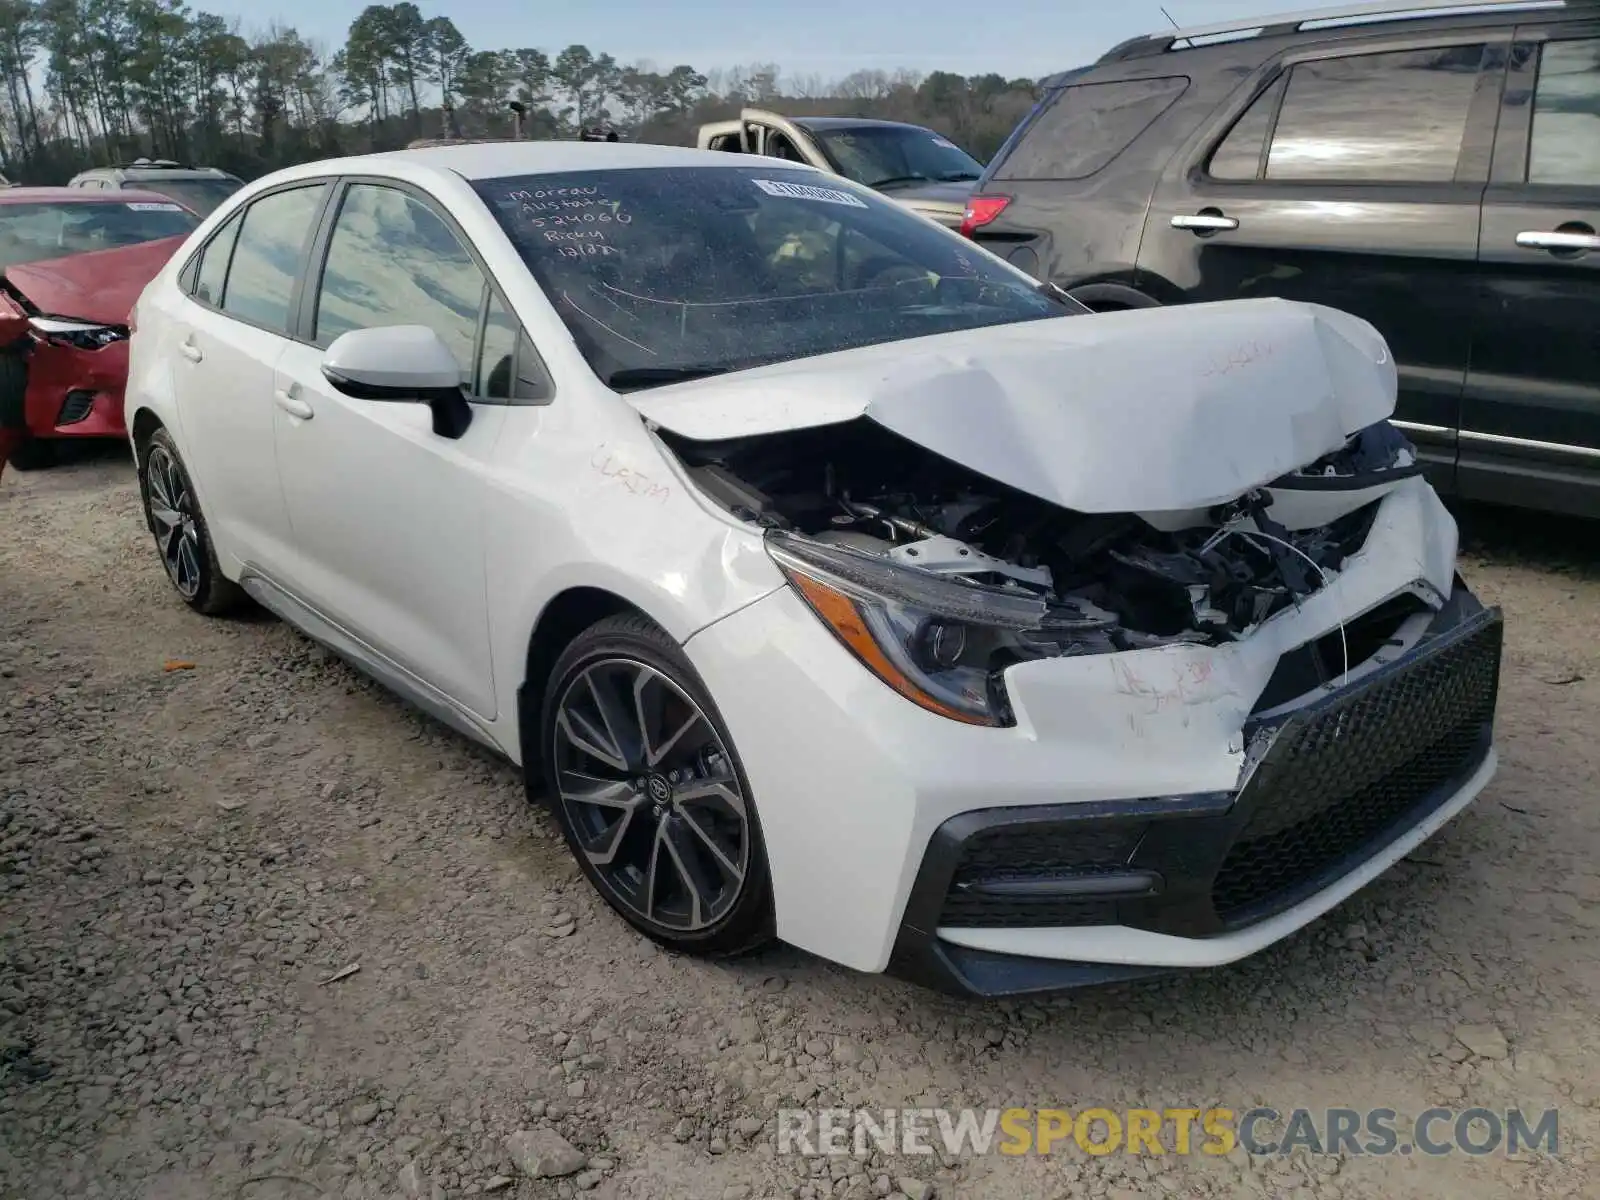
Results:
266 258
1398 117
1240 154
213 270
1565 145
1083 127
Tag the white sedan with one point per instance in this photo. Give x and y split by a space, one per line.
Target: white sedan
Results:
834 580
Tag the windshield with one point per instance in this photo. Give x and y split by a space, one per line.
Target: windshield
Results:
896 155
31 232
667 273
202 195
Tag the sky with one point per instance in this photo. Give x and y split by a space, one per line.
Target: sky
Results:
804 37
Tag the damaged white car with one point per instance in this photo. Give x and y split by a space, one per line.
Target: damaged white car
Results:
832 579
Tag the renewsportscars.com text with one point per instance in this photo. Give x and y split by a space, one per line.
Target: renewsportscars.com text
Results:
1151 1131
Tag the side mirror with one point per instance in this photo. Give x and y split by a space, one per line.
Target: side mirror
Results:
401 363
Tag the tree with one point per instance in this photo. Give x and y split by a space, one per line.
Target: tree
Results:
484 84
22 37
586 80
408 42
366 62
447 55
93 81
532 71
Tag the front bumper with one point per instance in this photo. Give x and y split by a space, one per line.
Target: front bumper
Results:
76 393
1040 898
869 805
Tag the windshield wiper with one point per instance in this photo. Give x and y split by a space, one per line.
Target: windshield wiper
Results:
959 176
1062 297
899 179
638 377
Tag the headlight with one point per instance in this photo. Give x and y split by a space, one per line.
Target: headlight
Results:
940 642
68 331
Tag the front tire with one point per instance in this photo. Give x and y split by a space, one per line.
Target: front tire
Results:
649 793
33 454
182 538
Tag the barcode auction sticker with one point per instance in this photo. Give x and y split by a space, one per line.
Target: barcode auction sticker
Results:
148 206
805 191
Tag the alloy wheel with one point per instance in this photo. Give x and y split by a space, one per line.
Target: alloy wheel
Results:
172 518
651 795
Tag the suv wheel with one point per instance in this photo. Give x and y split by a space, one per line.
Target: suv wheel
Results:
182 539
650 794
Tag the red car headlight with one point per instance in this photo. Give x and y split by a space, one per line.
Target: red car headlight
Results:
83 335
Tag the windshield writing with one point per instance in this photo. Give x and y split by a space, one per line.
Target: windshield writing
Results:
670 273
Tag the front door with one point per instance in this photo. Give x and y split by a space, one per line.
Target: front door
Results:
388 516
1353 181
1530 420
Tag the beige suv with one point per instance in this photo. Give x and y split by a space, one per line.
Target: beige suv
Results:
199 189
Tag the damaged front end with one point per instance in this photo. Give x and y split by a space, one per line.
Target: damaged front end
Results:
940 580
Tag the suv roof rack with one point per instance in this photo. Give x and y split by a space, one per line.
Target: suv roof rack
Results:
1368 13
143 164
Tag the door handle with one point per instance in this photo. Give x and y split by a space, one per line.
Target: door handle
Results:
1206 221
190 351
1558 240
293 405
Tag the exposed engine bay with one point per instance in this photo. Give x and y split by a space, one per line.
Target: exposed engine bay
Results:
1122 581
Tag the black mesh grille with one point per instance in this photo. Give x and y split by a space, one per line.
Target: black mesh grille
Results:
75 408
1348 778
1022 852
1339 779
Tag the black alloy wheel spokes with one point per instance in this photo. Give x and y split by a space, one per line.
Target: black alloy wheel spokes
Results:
172 514
650 791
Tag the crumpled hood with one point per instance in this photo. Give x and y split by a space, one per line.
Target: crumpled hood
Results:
1147 411
101 285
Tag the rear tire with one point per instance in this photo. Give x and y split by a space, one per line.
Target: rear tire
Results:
649 793
182 537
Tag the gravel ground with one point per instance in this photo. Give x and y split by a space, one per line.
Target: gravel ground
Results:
188 856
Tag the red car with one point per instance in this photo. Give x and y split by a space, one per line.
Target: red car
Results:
72 263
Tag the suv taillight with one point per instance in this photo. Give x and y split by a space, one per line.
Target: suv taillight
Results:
980 211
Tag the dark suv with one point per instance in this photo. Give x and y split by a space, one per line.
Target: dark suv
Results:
1437 174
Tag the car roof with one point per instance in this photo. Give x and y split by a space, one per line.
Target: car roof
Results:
171 173
821 123
1247 42
154 171
66 195
489 160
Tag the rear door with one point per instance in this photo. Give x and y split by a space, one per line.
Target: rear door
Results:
1530 419
777 137
722 135
226 341
1352 179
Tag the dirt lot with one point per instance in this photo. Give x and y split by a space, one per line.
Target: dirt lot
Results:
186 855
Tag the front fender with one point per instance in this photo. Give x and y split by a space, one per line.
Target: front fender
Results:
575 506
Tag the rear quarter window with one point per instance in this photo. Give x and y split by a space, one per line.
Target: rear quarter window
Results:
1083 127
